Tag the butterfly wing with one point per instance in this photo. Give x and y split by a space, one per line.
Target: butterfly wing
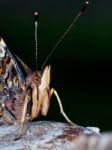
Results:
11 76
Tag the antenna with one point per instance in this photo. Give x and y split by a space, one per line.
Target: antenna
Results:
81 11
36 16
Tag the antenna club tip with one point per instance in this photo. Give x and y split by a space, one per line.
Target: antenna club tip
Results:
36 16
84 6
36 13
87 2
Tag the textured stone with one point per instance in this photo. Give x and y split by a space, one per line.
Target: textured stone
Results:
44 135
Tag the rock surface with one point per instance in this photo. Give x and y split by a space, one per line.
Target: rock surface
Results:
45 135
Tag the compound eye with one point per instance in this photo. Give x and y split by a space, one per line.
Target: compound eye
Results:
2 52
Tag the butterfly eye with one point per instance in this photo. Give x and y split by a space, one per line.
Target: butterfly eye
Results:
2 52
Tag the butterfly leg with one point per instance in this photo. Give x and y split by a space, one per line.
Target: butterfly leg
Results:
22 121
23 116
7 115
53 91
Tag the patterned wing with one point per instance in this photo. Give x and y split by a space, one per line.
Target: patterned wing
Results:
11 76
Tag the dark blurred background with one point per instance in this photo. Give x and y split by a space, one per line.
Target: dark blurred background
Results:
81 65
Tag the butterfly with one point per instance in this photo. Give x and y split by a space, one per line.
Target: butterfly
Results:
26 94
